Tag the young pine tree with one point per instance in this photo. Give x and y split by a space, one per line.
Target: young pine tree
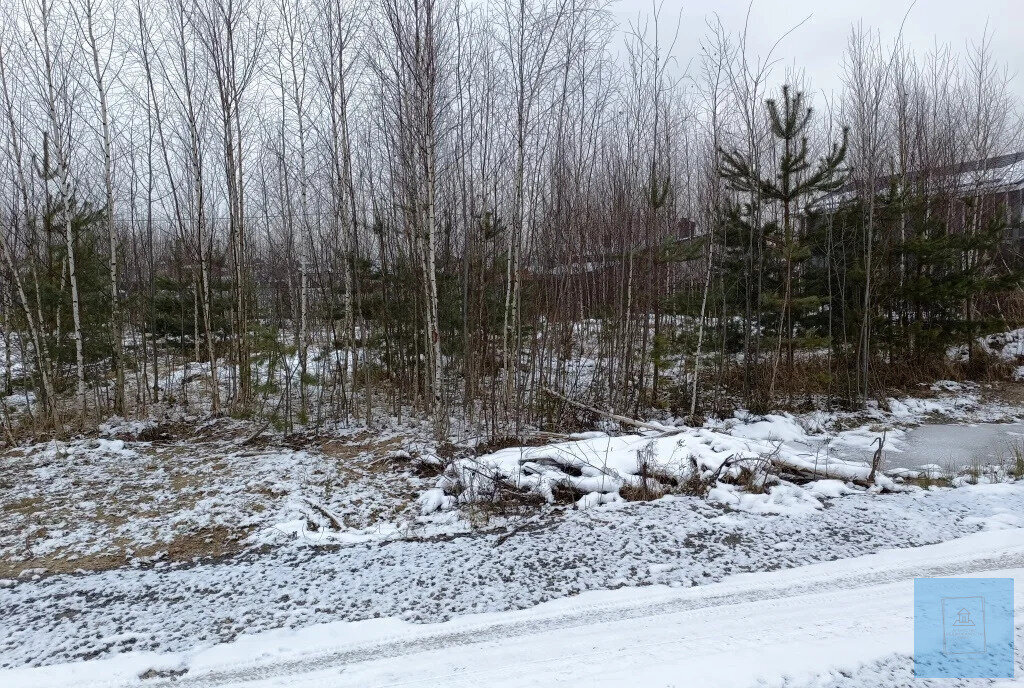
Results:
783 189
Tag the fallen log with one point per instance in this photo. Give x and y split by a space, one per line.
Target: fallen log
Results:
632 422
835 469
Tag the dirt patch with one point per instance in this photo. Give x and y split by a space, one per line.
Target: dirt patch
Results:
99 503
364 445
202 544
207 542
27 505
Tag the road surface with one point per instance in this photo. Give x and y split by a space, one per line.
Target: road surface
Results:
753 629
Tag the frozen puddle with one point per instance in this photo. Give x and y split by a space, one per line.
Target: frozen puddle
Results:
947 445
956 445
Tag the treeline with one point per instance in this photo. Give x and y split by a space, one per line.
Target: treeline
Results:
323 210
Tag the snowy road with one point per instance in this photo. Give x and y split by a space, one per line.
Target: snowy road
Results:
841 619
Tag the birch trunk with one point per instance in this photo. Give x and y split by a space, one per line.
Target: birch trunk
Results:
56 138
117 352
76 315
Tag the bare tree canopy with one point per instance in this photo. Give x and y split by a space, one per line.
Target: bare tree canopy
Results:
491 215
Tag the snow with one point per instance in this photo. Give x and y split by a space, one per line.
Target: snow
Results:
832 445
433 500
601 465
300 530
841 623
828 488
404 555
773 427
780 499
1004 346
1009 346
682 541
120 498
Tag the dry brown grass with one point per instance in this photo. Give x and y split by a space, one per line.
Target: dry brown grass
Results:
202 544
815 379
155 503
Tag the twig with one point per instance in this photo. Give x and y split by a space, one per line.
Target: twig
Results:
325 512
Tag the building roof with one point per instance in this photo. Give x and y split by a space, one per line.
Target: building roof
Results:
996 173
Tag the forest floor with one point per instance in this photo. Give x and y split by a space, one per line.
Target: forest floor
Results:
142 493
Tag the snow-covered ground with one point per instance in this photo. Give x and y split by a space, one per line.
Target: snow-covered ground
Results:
843 623
1005 346
600 467
679 541
132 496
121 499
134 553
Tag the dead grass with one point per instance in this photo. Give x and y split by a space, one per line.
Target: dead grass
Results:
114 509
816 381
644 492
202 544
193 493
1009 393
514 504
1017 469
925 481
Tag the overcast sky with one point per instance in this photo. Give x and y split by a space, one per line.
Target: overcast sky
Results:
818 45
